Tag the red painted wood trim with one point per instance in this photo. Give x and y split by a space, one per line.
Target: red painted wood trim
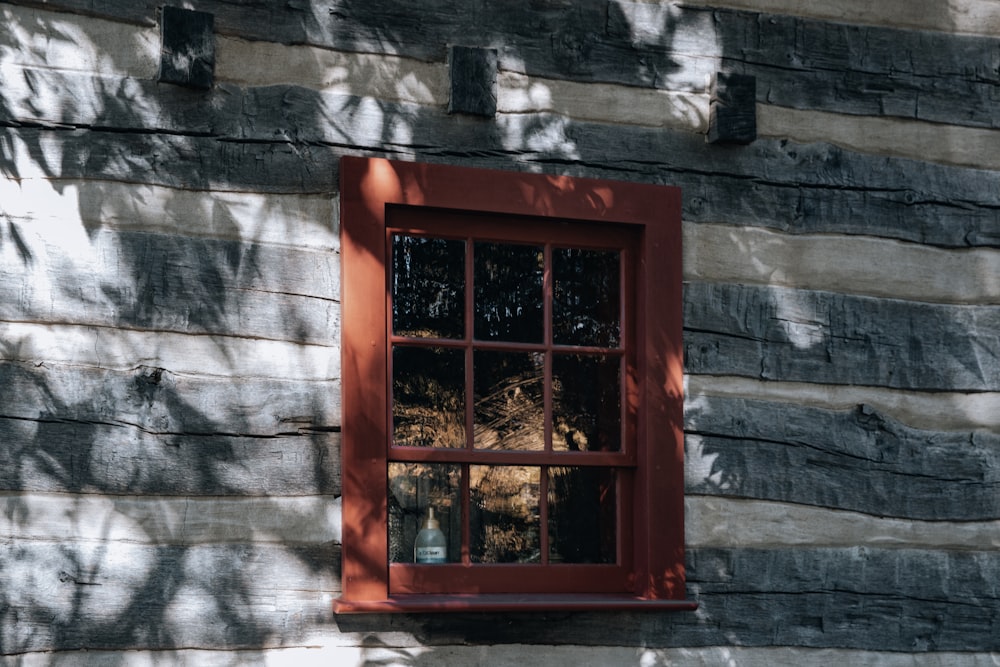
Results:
654 396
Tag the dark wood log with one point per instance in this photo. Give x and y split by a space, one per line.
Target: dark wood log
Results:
273 143
211 596
859 460
149 431
473 76
887 600
858 598
187 47
733 110
162 282
801 63
811 336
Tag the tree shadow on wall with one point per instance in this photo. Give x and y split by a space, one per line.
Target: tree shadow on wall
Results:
170 312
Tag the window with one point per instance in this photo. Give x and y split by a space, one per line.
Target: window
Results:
512 401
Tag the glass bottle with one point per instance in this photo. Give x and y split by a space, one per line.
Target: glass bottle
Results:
430 545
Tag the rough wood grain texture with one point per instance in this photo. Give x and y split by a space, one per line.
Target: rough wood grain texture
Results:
187 47
961 16
773 183
859 460
733 118
141 596
473 75
232 596
847 264
809 336
194 355
79 210
809 64
319 653
106 458
801 63
169 283
64 517
732 522
930 411
162 400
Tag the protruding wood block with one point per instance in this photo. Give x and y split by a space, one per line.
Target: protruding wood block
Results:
473 74
733 112
187 47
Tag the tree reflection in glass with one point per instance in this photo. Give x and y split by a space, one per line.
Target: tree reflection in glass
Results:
582 513
427 287
509 400
586 403
508 291
428 397
504 514
586 306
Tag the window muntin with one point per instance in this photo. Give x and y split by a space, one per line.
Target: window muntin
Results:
646 472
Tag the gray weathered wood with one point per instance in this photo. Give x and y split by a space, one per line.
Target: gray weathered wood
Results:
74 595
274 144
858 460
733 111
892 599
811 336
187 47
473 75
803 63
175 283
153 432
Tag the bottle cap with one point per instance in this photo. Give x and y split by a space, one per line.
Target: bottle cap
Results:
431 523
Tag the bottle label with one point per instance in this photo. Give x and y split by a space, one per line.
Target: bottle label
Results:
431 555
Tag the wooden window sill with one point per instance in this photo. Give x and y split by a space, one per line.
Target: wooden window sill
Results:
401 604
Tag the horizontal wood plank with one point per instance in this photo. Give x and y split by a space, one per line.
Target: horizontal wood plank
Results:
139 280
930 411
799 62
393 650
736 522
198 355
161 520
859 460
811 336
254 596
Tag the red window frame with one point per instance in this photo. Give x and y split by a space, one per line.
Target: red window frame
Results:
650 572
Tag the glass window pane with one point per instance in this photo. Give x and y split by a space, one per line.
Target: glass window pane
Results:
508 291
586 403
586 307
504 508
509 407
582 511
427 287
428 397
415 489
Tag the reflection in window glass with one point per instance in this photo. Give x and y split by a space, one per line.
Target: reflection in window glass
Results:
586 307
427 293
509 400
586 403
428 397
504 514
415 488
508 292
582 513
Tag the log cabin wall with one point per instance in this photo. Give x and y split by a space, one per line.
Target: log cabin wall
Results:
169 317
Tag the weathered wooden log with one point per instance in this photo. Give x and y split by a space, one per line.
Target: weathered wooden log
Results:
812 336
860 461
233 596
802 63
768 184
173 283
